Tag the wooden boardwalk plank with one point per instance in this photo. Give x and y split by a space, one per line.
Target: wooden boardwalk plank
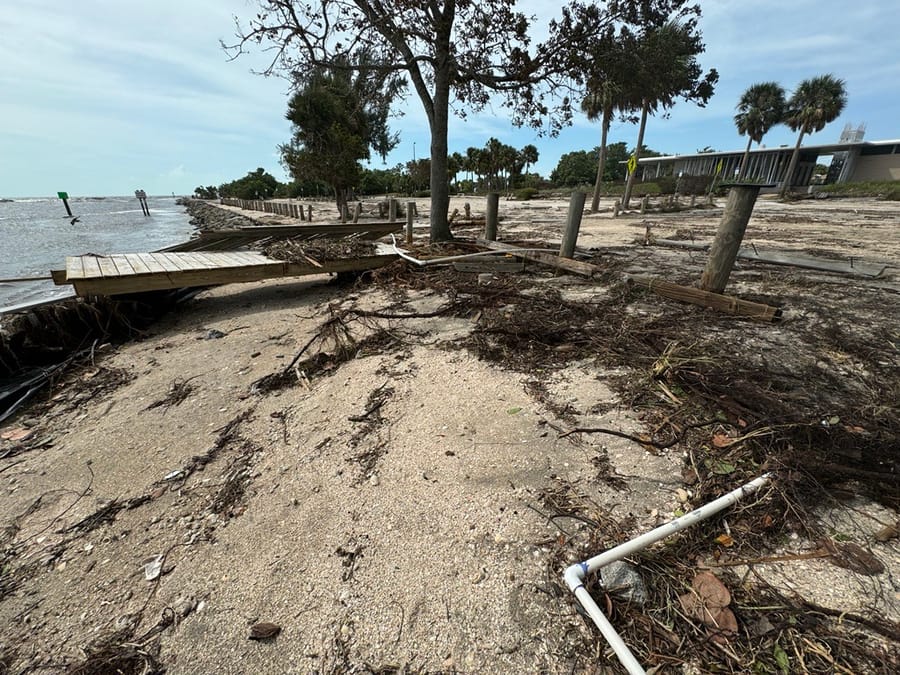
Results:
107 266
137 264
151 263
123 267
91 267
169 262
199 260
75 267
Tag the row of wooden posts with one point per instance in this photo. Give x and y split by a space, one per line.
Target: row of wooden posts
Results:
389 208
724 250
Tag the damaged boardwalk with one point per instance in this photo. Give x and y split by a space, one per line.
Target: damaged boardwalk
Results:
138 272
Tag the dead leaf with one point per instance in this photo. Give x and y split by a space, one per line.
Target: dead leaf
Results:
708 603
888 532
853 429
720 440
19 434
264 631
725 540
856 559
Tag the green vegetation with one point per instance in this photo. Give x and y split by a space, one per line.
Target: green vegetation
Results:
338 114
259 184
815 103
761 107
888 190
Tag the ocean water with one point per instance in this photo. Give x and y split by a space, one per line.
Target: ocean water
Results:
36 235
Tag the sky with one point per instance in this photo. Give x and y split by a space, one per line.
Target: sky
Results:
102 97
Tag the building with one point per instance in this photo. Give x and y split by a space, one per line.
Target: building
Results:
852 160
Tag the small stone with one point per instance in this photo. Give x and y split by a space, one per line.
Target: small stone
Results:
374 480
623 581
682 495
184 606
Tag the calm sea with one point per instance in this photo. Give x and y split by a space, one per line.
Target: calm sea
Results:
36 235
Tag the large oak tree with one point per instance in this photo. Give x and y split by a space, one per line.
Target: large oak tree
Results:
453 52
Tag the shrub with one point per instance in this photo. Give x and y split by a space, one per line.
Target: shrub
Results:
526 194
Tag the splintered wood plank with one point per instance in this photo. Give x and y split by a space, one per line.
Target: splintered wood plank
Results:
74 267
91 267
151 263
123 267
107 266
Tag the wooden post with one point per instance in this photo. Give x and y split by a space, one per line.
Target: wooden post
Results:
491 217
357 212
392 210
573 224
724 249
693 201
645 203
410 211
381 209
301 210
616 206
309 212
345 212
468 209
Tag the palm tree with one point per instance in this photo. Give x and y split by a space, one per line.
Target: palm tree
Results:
815 103
761 107
608 93
528 156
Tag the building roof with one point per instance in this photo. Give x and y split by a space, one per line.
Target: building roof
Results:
822 150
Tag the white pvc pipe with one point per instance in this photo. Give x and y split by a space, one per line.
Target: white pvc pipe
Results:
576 574
436 261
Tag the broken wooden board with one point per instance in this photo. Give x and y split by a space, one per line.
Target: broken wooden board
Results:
694 296
138 272
854 267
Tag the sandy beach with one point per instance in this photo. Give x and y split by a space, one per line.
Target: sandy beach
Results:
407 497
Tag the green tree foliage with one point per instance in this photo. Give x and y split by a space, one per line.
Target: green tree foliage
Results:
208 192
666 53
761 107
575 168
814 103
338 115
259 184
451 50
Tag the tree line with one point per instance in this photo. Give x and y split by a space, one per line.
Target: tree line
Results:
352 62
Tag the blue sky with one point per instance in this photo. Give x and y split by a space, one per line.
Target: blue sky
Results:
104 96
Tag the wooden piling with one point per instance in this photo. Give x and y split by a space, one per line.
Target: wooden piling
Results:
573 224
392 210
357 212
724 249
468 209
492 216
309 212
410 211
616 206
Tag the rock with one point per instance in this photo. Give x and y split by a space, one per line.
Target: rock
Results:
264 631
623 581
184 606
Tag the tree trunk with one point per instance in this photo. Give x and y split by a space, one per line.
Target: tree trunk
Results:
601 167
637 153
440 188
744 160
788 177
